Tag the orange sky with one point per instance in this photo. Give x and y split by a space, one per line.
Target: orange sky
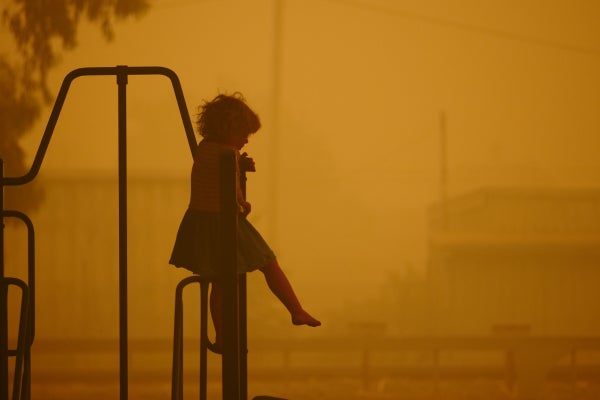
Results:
363 84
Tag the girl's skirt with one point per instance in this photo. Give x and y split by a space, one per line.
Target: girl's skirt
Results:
197 245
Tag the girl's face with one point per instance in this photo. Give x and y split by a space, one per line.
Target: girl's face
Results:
238 140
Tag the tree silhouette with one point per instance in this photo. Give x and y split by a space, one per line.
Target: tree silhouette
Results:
40 31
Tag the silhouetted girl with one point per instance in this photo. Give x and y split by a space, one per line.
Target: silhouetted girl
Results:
225 123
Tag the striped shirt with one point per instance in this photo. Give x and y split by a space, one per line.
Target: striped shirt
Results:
205 180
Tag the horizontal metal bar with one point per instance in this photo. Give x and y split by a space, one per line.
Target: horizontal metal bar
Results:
99 71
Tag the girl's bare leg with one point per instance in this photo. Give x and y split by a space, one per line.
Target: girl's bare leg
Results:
282 289
215 313
279 285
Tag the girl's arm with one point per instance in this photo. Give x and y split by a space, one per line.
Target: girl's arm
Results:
244 164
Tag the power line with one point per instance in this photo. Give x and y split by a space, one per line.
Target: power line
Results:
163 4
382 9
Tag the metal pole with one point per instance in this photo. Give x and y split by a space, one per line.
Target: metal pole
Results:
203 337
123 336
243 314
443 169
229 279
3 299
243 334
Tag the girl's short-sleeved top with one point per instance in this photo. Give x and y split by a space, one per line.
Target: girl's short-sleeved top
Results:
205 179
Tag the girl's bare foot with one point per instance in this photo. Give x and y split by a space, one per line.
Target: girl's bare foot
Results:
303 318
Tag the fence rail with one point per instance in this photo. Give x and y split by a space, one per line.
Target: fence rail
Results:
361 357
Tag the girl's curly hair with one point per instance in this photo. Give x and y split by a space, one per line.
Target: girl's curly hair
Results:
226 115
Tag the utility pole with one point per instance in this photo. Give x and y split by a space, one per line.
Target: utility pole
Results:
443 168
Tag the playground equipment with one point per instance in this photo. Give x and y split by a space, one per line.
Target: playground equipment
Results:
234 376
234 295
26 328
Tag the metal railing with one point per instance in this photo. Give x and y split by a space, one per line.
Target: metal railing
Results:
22 372
122 73
26 330
177 372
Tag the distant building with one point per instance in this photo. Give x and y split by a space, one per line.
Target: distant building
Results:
516 257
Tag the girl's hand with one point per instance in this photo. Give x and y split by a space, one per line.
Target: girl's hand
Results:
246 163
246 207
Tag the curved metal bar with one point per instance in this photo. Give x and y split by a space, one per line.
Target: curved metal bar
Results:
30 266
121 72
22 343
177 369
99 71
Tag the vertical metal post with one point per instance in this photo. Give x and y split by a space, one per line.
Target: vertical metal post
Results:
31 324
243 337
123 335
229 278
243 315
3 299
443 170
203 337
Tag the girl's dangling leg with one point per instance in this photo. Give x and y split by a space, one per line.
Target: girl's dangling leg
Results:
281 287
216 315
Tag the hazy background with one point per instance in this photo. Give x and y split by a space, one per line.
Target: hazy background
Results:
361 88
352 95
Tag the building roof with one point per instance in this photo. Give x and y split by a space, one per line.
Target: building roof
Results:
518 217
